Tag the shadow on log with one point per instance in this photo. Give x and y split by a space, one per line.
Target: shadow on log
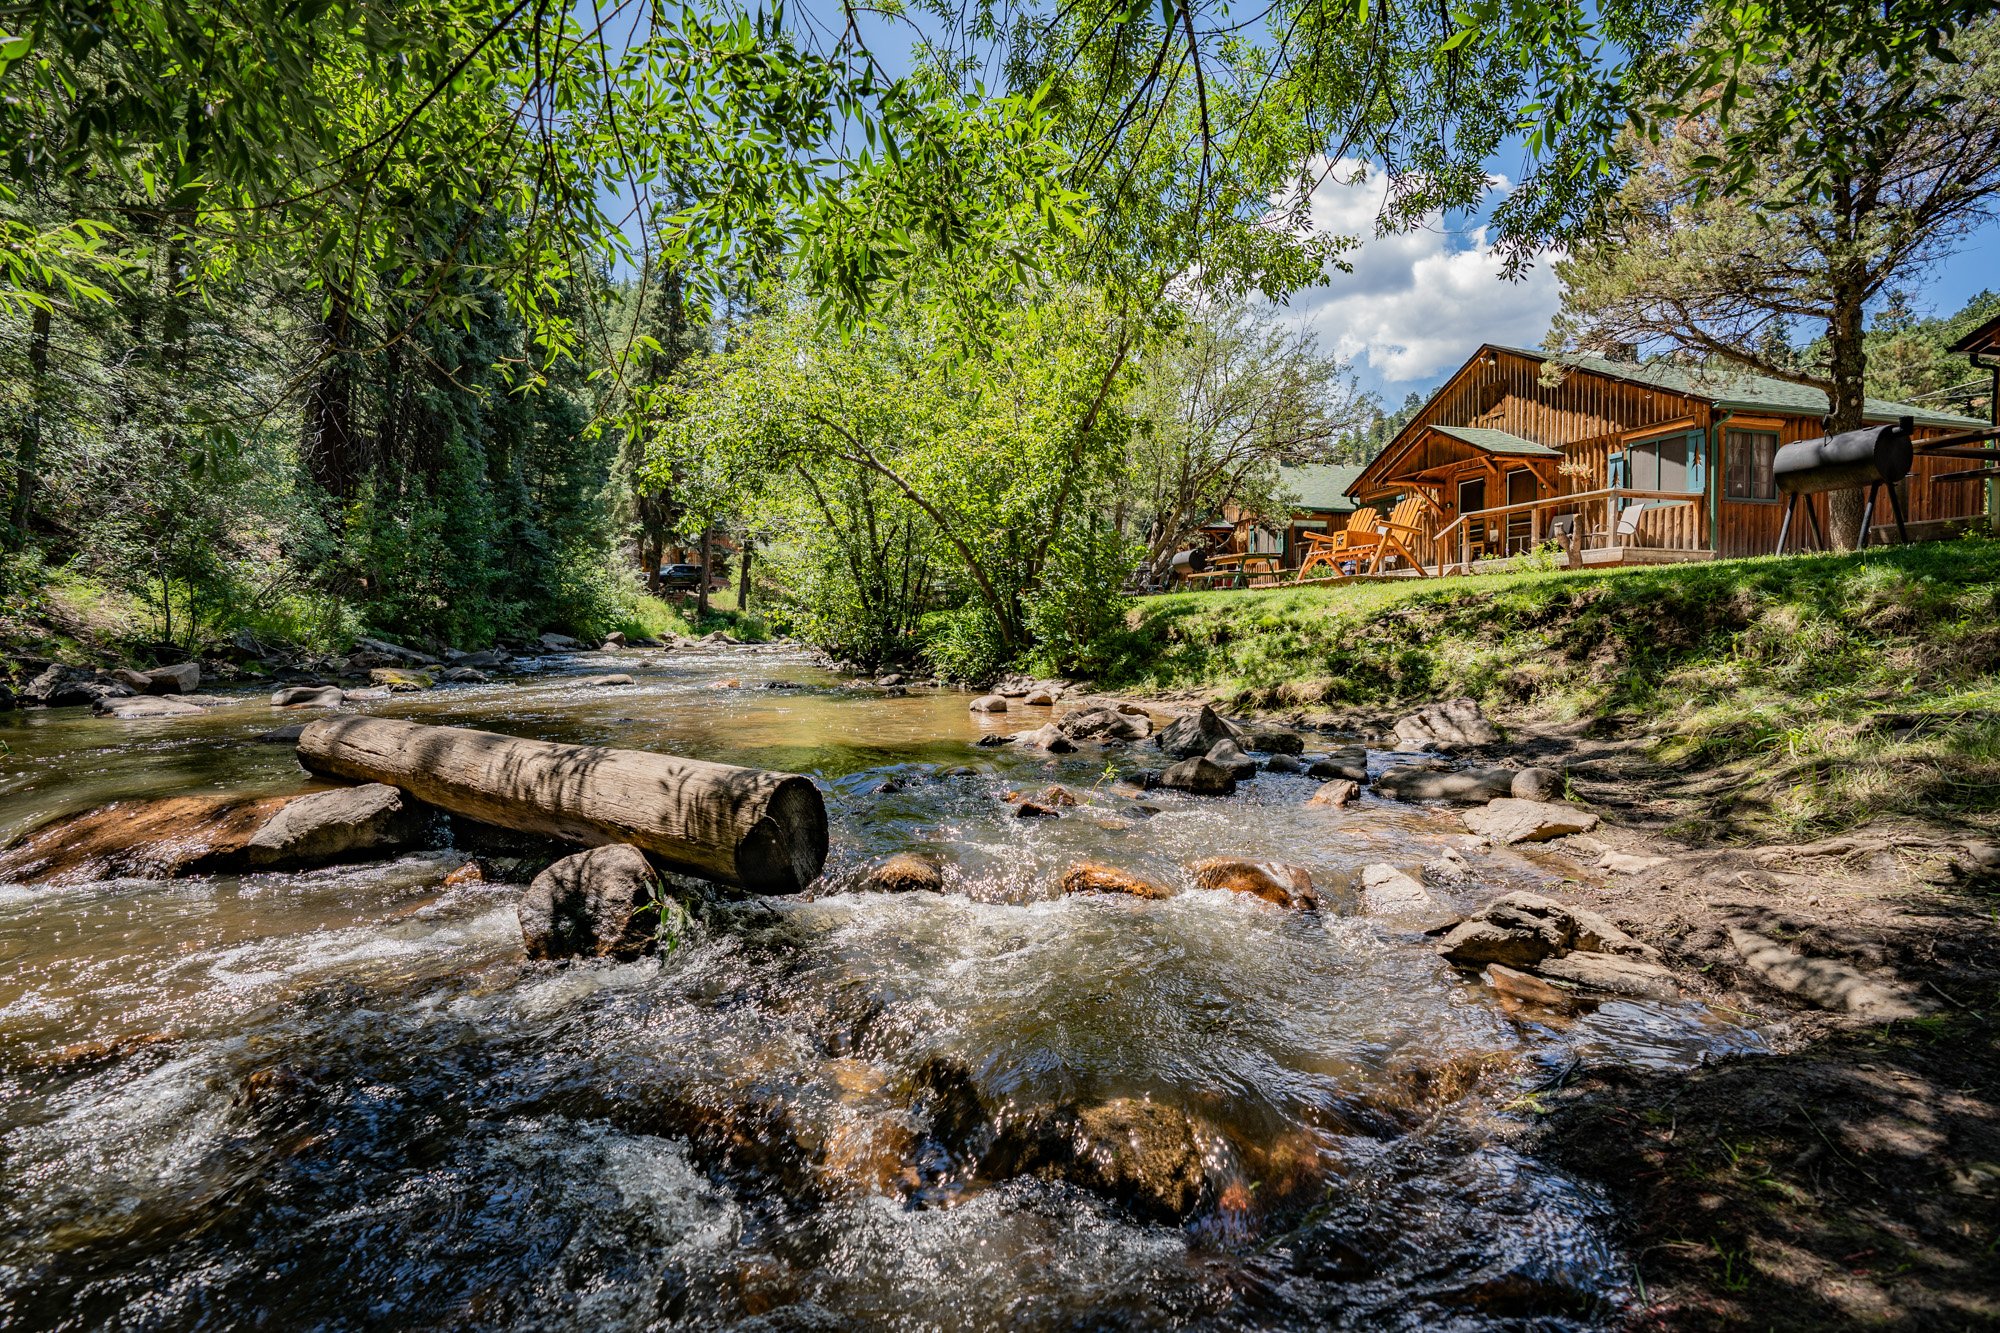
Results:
765 832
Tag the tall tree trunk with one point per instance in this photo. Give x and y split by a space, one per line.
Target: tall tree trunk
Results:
28 460
743 575
329 415
1849 369
707 554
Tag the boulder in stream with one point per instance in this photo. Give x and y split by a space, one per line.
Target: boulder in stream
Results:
343 824
309 696
905 872
1336 793
144 839
1270 740
1229 756
988 703
1104 724
146 706
1521 929
602 903
1387 891
1048 738
1097 877
1350 762
1199 776
60 686
603 682
1273 881
399 680
1195 734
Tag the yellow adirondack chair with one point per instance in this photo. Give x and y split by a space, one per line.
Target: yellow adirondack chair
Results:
1405 523
1350 543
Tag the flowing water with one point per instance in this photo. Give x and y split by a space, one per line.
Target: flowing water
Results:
344 1099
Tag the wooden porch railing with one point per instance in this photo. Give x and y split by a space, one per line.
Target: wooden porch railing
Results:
1671 521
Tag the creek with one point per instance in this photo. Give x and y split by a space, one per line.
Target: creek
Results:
343 1098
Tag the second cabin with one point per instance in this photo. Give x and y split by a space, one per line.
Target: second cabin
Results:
1621 463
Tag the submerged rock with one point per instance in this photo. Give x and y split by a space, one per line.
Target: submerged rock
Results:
1336 793
1049 739
1097 877
603 902
1615 974
1387 891
604 682
1450 723
988 703
1350 762
1284 763
144 707
463 675
1143 1154
1200 777
335 825
1524 986
147 839
1273 881
905 872
1510 820
399 680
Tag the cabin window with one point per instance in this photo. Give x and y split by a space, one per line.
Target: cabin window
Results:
1672 463
1747 465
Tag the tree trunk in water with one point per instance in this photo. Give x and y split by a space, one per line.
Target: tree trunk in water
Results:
707 554
1849 366
743 577
762 831
28 461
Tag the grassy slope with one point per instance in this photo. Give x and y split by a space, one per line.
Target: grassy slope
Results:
1841 687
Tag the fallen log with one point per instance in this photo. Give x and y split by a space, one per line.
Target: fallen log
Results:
760 831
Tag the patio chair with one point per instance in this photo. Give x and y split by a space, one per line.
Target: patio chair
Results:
1627 528
1328 552
1405 523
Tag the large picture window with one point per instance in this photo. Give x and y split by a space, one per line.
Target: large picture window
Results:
1670 463
1747 459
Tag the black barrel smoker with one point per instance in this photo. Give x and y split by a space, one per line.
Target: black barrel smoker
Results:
1874 456
1188 562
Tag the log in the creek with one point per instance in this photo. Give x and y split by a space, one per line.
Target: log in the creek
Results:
760 831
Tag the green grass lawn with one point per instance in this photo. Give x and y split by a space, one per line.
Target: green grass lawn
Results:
1841 684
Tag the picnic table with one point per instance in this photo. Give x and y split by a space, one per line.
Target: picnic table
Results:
1239 568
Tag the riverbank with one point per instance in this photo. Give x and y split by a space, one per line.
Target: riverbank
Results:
1807 750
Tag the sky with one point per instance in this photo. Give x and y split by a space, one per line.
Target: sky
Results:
1418 304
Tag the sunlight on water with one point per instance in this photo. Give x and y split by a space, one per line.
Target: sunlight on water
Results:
341 1098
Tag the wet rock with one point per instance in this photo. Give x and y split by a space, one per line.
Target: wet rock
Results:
1270 740
1350 763
485 657
602 902
1273 881
281 735
1284 763
994 739
398 680
1040 698
1449 870
1523 986
1097 877
60 686
604 682
463 675
1521 929
1229 756
905 872
147 839
335 825
1055 796
615 639
1029 809
1822 982
1336 793
370 692
1510 821
732 683
560 643
1387 891
988 703
277 1092
1195 734
1104 724
1615 974
1142 1154
309 696
1452 723
472 872
1049 739
1200 777
144 707
890 678
1470 786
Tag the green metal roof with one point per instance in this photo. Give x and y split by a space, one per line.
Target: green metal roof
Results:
1739 390
1492 441
1321 485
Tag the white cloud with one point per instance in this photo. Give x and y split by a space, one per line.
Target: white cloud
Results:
1417 303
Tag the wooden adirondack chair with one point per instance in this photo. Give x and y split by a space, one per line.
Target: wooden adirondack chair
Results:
1350 543
1405 523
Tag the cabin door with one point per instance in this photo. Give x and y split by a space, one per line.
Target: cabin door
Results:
1472 499
1521 489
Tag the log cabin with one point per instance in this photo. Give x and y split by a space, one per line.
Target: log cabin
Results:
1319 502
1622 462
